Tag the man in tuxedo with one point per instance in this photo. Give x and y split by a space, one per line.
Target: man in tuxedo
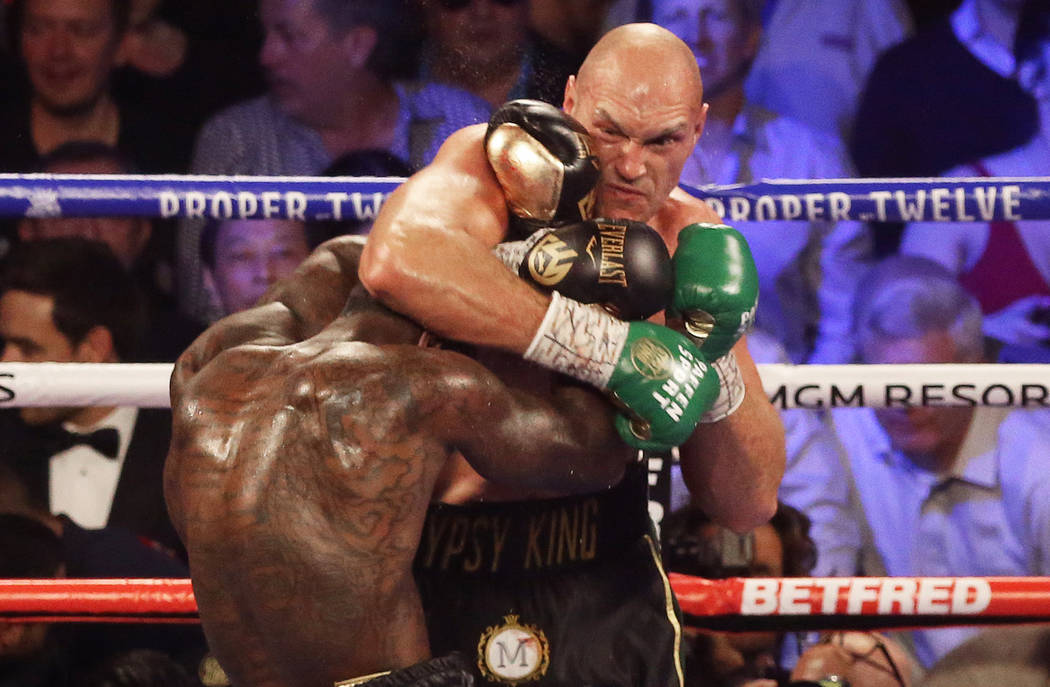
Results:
70 300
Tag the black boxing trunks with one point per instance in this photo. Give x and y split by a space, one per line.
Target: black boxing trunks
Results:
447 671
565 592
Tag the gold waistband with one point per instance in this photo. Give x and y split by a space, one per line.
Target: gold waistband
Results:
355 681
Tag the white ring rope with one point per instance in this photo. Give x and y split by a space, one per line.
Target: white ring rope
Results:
84 384
789 386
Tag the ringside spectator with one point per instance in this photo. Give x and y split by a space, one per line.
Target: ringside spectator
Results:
693 544
70 300
945 491
574 26
144 246
31 653
486 47
106 552
1005 264
330 93
70 50
915 117
244 257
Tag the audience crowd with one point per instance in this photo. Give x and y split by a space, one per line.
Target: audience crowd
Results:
796 89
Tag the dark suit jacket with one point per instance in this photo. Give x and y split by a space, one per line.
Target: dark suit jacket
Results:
138 504
114 552
930 105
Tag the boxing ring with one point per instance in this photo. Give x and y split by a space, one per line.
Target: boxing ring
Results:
730 604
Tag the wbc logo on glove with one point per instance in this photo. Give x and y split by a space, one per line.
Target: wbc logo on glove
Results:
651 359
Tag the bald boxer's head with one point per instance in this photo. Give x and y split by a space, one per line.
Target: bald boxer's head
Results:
640 96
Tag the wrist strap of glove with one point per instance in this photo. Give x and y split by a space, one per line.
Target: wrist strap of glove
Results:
730 391
513 253
582 341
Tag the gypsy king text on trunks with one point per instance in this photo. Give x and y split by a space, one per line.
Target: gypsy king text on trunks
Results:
494 542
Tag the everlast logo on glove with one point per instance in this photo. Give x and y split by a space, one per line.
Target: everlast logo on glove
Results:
552 258
611 269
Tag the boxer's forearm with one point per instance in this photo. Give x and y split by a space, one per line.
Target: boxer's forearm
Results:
429 253
452 285
733 467
562 441
316 292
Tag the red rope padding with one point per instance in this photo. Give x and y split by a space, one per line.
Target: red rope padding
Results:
860 602
116 600
735 604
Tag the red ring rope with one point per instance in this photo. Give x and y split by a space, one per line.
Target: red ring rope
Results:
735 604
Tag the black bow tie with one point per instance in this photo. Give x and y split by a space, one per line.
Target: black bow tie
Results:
106 441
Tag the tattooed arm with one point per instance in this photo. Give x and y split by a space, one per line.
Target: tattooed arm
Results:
561 440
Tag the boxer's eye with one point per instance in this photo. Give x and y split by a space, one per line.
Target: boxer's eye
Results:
663 141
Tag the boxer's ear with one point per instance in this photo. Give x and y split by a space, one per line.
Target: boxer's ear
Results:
97 346
569 101
701 121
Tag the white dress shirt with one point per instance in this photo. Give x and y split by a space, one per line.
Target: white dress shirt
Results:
82 481
1032 74
989 515
966 25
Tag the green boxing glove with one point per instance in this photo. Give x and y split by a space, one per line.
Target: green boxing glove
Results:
716 286
660 380
665 385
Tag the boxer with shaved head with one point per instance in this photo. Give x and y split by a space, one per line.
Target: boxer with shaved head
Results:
533 605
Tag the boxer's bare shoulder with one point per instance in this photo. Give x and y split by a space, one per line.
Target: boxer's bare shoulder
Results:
315 398
299 477
680 210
